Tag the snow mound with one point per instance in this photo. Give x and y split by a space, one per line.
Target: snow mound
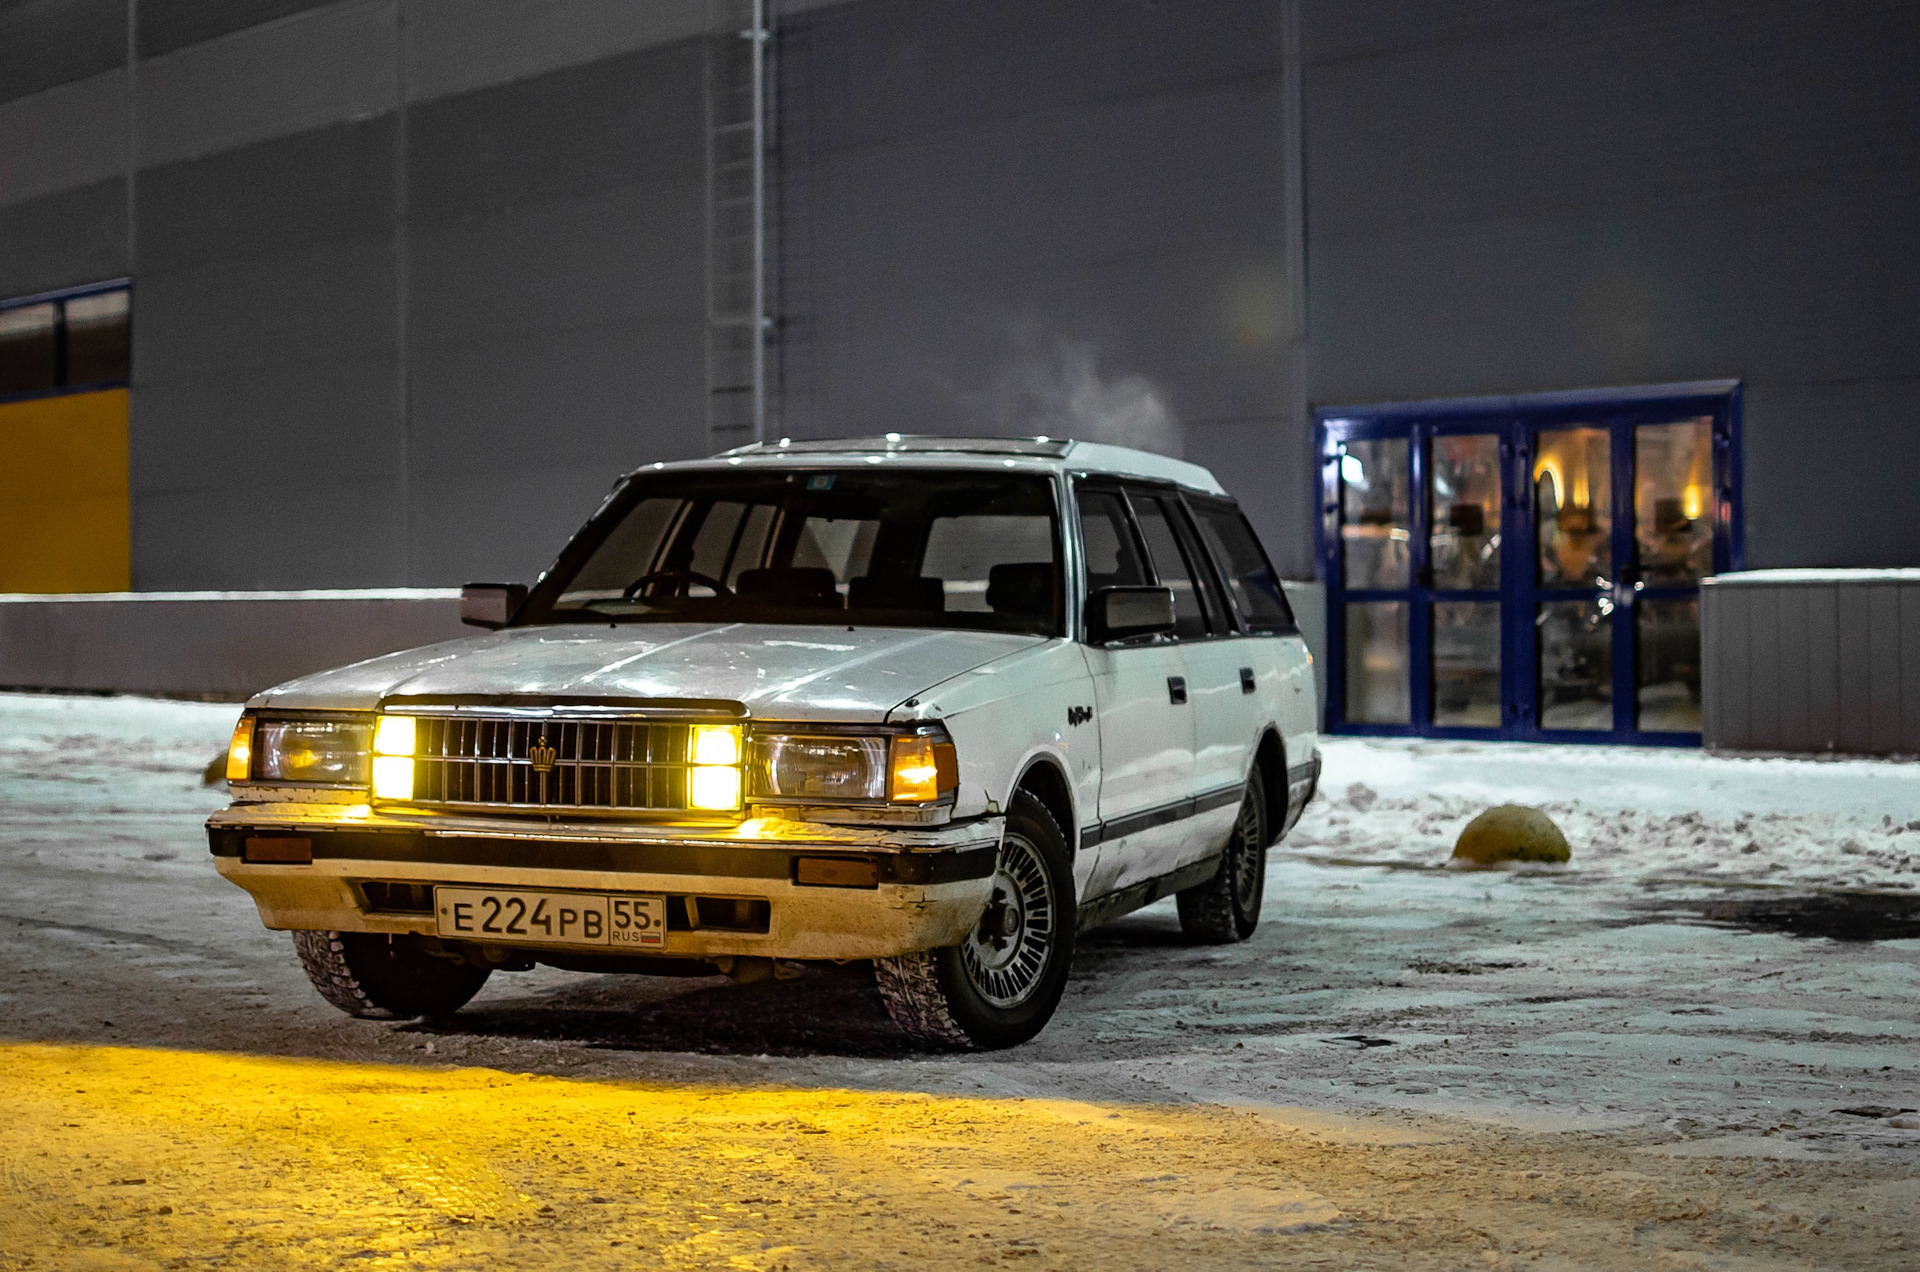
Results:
1627 812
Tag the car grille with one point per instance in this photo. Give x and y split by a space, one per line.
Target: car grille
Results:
551 763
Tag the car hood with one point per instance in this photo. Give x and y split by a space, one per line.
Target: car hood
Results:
776 672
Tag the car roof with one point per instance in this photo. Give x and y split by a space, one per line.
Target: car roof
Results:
1052 454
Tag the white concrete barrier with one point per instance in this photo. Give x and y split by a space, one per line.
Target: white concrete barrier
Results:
215 645
1309 601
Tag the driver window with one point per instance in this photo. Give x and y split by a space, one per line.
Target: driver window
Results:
1107 542
1170 563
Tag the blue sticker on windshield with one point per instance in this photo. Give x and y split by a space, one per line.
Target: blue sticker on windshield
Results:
823 482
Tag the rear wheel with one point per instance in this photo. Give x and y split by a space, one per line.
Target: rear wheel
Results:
386 977
1000 985
1226 908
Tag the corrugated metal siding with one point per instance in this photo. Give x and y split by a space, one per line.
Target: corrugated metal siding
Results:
1806 660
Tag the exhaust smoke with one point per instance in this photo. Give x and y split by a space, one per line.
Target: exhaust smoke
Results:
1057 390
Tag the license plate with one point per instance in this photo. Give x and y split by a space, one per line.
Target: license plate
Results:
551 918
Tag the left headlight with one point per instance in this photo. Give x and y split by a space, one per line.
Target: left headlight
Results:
319 751
899 768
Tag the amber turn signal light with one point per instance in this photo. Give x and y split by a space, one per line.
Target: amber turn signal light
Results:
924 769
240 751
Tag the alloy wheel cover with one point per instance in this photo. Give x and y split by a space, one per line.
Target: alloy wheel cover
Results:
1244 855
1006 969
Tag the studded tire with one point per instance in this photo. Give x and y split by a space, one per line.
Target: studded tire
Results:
1226 908
999 986
380 977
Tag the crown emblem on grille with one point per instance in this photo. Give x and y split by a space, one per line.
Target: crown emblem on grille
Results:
542 756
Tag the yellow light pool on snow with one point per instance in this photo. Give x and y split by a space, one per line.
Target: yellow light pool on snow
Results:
393 777
394 735
713 786
716 744
240 751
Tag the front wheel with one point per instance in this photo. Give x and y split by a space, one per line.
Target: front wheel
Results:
386 977
1226 908
1000 985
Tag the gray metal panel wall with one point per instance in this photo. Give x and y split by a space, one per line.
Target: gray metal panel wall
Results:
48 42
56 240
267 440
1513 195
407 296
65 137
988 214
1814 661
208 645
421 359
556 297
166 25
1007 217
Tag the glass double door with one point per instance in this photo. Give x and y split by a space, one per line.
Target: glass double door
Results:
1524 574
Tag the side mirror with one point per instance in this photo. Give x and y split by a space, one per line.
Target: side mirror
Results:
1115 613
490 604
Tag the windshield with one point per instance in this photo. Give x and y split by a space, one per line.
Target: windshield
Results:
921 549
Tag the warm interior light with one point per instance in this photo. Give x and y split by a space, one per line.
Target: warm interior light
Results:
924 768
1547 468
394 736
240 751
1693 502
393 776
715 787
716 744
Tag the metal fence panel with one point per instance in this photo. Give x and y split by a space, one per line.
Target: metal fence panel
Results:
1812 661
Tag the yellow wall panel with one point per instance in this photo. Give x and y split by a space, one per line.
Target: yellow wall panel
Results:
65 511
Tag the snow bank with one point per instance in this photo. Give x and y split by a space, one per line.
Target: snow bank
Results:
1628 812
99 782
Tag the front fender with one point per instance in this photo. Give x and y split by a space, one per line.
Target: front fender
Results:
1006 715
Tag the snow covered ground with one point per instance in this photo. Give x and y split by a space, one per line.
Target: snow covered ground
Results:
110 784
1628 812
1656 977
1718 997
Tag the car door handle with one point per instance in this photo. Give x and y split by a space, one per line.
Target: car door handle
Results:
1246 680
1177 690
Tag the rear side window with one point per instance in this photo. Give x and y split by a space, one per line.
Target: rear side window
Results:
1243 563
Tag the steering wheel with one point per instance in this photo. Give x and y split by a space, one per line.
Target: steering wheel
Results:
683 577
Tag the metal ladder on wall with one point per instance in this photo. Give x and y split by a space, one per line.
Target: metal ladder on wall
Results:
739 325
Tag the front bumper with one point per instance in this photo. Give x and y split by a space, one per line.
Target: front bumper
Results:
932 883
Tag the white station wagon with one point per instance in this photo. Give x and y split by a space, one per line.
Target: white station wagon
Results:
938 703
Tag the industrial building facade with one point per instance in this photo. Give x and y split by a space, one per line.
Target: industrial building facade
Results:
1614 294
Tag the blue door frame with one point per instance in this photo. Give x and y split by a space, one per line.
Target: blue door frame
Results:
1516 421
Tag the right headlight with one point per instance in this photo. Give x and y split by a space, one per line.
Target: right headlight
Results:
916 768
